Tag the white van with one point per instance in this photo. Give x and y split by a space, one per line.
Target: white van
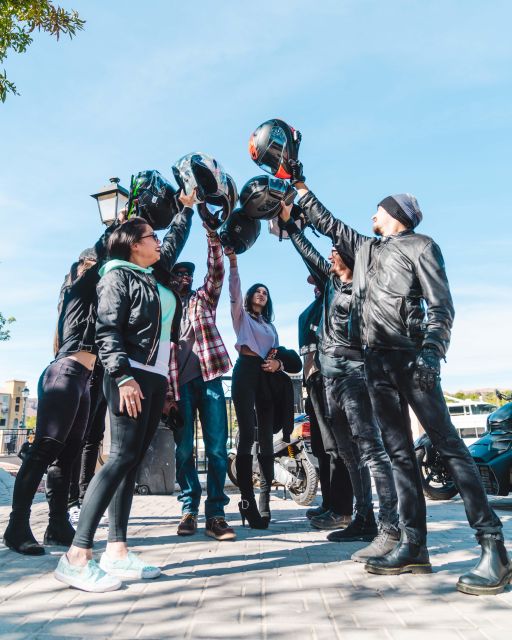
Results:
469 417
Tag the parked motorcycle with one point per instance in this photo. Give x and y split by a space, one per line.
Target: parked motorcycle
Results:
294 466
492 454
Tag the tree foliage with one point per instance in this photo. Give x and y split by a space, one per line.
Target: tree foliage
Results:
5 334
20 18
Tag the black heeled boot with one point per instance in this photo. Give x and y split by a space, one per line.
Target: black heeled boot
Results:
406 557
493 571
247 505
18 536
266 478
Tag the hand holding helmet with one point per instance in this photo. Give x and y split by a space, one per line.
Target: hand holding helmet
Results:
297 171
188 200
273 145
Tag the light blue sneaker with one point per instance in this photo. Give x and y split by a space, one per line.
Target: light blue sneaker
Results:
90 577
130 567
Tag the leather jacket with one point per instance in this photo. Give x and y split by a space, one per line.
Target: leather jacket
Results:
401 298
333 330
129 313
77 305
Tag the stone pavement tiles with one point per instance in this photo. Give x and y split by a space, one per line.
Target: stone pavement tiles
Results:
284 583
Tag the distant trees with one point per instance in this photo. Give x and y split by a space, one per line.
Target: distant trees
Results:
5 334
18 20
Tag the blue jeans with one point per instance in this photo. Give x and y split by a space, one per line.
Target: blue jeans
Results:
208 399
360 442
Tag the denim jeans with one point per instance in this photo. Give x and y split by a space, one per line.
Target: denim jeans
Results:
208 399
392 388
360 442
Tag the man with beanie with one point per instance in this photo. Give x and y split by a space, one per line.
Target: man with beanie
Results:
351 423
402 312
202 359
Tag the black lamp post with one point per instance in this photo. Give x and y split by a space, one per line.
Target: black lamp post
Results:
111 199
25 393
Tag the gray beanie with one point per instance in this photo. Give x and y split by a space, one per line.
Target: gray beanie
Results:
403 207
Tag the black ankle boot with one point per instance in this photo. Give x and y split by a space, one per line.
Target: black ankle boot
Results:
19 537
266 478
406 557
249 511
59 533
493 571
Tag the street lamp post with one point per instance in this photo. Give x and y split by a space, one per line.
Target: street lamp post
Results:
111 199
25 394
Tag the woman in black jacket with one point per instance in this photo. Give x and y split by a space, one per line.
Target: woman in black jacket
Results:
138 316
63 409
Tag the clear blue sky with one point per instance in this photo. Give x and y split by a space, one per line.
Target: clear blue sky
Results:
390 97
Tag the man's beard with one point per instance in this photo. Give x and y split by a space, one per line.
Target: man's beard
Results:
377 230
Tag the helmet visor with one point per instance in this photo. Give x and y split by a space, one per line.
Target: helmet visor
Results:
277 187
272 157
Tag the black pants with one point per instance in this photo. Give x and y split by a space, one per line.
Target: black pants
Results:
253 420
392 388
62 411
114 484
85 464
334 476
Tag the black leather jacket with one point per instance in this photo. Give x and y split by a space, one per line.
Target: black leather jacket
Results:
77 305
333 331
129 314
401 297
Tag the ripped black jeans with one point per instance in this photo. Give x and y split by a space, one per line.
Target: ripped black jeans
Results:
392 388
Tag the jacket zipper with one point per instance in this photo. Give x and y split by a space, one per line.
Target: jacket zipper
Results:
153 347
365 315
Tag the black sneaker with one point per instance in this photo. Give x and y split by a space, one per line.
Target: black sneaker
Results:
360 528
316 511
330 520
219 529
187 525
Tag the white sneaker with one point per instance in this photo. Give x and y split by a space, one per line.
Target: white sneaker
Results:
130 567
87 578
74 515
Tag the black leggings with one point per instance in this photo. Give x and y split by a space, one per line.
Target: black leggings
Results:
114 484
249 414
63 408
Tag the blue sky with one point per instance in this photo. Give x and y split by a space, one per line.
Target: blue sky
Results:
390 97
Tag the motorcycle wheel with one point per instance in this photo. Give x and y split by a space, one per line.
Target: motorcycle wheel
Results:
309 485
435 481
232 468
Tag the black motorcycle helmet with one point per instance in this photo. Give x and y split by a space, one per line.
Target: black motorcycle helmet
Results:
216 208
153 198
261 197
201 172
271 146
239 232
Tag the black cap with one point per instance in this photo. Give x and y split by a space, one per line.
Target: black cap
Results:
189 266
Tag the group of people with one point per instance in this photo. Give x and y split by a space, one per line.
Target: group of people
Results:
135 336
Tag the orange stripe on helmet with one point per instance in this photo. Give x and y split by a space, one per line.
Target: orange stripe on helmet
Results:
282 173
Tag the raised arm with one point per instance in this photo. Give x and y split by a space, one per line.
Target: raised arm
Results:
235 291
174 240
214 278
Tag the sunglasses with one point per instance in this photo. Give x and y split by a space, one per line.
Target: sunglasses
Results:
151 235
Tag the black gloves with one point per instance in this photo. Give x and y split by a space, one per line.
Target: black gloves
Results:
427 368
297 171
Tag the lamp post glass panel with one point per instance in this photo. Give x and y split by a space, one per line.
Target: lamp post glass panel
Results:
25 393
111 199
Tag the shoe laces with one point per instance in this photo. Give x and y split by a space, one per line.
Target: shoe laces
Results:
188 516
219 521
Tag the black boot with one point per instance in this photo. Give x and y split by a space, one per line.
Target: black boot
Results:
493 571
60 531
406 557
266 478
18 536
247 505
360 529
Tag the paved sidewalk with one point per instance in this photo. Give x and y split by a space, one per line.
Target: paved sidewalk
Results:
287 582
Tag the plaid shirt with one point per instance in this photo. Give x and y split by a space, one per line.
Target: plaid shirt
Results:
202 307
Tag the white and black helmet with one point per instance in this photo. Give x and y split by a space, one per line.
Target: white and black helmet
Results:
261 197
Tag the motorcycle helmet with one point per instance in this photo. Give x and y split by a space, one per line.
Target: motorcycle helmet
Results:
216 208
201 172
153 198
239 232
261 197
271 146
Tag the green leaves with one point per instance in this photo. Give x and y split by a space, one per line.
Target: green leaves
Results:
20 18
5 334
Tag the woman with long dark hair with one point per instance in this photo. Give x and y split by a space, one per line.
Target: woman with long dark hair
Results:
251 390
138 315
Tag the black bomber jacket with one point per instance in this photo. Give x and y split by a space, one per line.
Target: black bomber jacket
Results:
400 296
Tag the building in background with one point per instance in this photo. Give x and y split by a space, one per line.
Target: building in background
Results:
12 403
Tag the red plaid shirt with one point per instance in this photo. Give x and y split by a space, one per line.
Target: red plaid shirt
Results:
202 308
